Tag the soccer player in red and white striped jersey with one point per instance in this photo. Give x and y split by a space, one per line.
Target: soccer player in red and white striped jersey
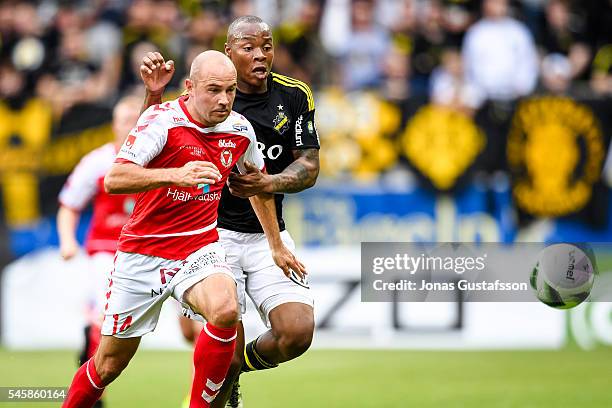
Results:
178 158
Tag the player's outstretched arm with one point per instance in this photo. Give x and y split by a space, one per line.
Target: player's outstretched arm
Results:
298 176
156 73
265 209
67 221
126 178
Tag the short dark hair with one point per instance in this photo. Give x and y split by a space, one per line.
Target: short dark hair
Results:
233 28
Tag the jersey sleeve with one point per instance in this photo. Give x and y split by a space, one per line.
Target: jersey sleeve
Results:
81 186
146 140
252 153
305 134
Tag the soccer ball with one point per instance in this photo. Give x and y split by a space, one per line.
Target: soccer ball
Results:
563 275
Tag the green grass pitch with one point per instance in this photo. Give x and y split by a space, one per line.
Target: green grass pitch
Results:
332 378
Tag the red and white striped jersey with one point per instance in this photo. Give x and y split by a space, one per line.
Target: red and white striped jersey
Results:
173 222
110 212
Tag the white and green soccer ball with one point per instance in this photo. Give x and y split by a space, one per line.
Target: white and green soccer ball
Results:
563 275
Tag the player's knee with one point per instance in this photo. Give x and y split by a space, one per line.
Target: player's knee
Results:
295 341
224 315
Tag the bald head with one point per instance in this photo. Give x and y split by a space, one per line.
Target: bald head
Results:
211 87
211 63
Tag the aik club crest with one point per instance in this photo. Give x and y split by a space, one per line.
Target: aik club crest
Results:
281 122
226 157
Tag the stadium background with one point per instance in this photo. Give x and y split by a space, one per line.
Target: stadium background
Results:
414 148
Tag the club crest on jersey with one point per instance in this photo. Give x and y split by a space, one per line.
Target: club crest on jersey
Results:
226 157
129 142
281 122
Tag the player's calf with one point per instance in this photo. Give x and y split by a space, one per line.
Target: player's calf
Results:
88 383
113 356
233 372
290 336
215 298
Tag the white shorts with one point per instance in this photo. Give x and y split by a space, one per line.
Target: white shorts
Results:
139 284
248 255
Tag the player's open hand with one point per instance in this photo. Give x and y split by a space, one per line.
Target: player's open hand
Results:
288 262
155 72
252 183
68 249
197 172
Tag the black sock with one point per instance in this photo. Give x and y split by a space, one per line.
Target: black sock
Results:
253 361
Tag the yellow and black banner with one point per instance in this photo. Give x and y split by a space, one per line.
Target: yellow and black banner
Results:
556 151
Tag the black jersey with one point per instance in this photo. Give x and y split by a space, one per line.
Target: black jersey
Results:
283 119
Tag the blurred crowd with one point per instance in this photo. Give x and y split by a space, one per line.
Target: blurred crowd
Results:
456 52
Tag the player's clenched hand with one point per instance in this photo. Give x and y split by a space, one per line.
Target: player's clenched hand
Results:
155 72
288 262
249 184
197 172
68 249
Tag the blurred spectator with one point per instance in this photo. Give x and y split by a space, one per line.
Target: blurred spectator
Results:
22 40
335 26
241 8
361 60
564 33
71 78
130 81
457 17
404 27
449 86
428 45
396 83
299 51
556 73
601 81
403 34
206 29
146 29
499 54
12 85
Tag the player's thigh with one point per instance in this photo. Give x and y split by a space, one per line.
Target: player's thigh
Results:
137 288
206 287
234 252
268 286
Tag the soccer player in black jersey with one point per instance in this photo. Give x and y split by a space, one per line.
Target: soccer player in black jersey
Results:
281 110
